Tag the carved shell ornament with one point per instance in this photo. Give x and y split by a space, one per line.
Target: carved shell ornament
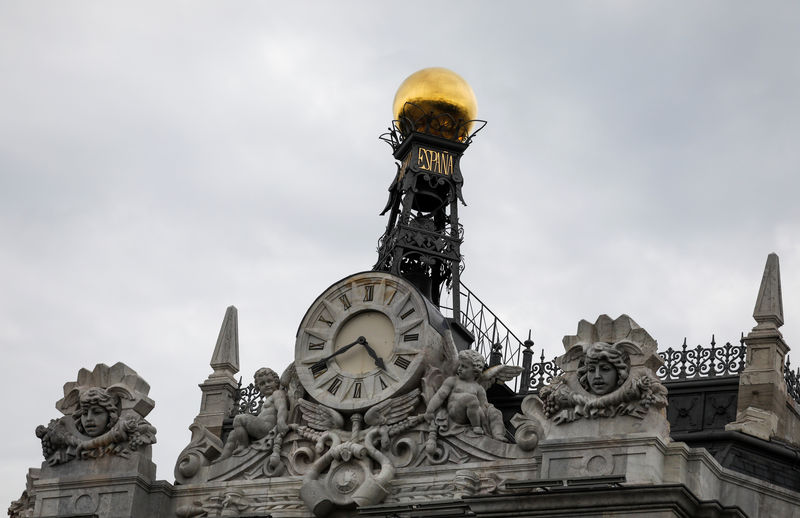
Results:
118 380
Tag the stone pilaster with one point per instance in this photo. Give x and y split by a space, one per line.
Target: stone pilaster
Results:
762 388
220 387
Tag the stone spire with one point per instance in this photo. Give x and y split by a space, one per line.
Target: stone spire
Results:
761 404
769 304
225 360
219 389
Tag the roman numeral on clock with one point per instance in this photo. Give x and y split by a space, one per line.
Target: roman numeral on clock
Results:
316 347
318 369
333 388
369 290
345 301
402 362
357 390
411 337
406 314
329 322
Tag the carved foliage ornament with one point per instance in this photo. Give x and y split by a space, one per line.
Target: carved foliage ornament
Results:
104 415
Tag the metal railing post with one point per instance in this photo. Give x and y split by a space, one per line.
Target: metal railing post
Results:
527 360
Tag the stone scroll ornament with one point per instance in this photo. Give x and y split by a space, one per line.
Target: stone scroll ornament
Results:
353 468
608 372
104 413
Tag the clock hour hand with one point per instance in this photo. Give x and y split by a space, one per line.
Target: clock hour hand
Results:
373 354
324 362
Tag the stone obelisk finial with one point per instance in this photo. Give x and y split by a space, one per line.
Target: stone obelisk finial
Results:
220 387
762 396
769 304
225 360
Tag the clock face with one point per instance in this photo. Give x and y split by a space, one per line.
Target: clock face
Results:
365 339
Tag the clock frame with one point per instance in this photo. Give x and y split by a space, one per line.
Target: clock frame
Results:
403 329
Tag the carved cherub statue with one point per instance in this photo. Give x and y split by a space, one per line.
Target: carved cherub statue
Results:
465 395
273 415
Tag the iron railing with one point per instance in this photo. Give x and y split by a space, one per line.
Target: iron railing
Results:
493 339
535 375
702 362
680 364
792 381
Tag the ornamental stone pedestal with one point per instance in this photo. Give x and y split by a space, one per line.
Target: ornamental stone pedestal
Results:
97 457
604 415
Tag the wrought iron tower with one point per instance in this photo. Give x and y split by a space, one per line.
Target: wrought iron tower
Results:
433 125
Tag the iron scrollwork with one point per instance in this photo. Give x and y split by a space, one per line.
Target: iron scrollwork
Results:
444 125
792 381
247 400
542 373
702 362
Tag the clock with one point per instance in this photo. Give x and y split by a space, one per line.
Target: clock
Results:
367 338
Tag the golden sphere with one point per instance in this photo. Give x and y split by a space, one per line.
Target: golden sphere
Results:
437 90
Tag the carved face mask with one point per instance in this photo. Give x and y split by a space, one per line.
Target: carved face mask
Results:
602 377
94 420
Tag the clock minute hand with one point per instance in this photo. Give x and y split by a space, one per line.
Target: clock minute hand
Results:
374 355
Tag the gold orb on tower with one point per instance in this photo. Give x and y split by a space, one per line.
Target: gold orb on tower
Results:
436 100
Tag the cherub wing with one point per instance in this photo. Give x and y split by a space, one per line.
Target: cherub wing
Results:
392 410
320 417
499 374
291 384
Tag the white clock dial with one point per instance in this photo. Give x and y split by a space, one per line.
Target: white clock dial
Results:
365 339
373 324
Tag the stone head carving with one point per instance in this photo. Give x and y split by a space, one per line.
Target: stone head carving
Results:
603 368
97 413
470 365
267 381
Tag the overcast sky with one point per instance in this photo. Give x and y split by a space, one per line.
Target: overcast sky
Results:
160 161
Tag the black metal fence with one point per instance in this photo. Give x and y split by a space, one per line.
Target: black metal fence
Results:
702 362
493 339
792 381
